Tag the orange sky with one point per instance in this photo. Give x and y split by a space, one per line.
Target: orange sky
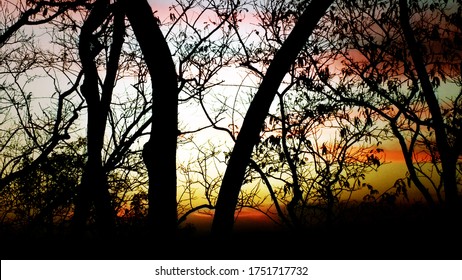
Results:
251 218
388 173
248 219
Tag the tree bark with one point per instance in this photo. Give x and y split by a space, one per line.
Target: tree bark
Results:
223 220
159 153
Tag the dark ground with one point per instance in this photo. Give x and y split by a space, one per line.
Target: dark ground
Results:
407 233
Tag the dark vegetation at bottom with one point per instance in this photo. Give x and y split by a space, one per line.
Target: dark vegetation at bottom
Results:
403 233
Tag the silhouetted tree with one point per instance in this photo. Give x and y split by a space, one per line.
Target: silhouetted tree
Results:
201 54
94 187
159 153
41 201
342 70
448 142
18 14
256 114
312 174
34 130
205 47
400 84
24 130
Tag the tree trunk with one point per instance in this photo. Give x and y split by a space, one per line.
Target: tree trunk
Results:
407 153
445 149
227 199
94 185
159 152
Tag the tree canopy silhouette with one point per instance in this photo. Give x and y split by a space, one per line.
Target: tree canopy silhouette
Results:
123 117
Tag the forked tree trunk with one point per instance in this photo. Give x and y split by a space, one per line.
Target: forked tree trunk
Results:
94 186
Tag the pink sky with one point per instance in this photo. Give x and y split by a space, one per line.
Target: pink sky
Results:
381 180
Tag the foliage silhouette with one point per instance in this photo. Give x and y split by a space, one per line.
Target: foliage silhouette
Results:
368 72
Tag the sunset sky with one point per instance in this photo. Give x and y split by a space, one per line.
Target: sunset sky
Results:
393 169
192 118
327 176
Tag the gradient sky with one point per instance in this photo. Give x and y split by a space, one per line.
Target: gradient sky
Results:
388 173
382 180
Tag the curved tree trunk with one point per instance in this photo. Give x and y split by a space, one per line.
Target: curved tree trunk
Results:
94 186
448 154
229 192
407 153
159 152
